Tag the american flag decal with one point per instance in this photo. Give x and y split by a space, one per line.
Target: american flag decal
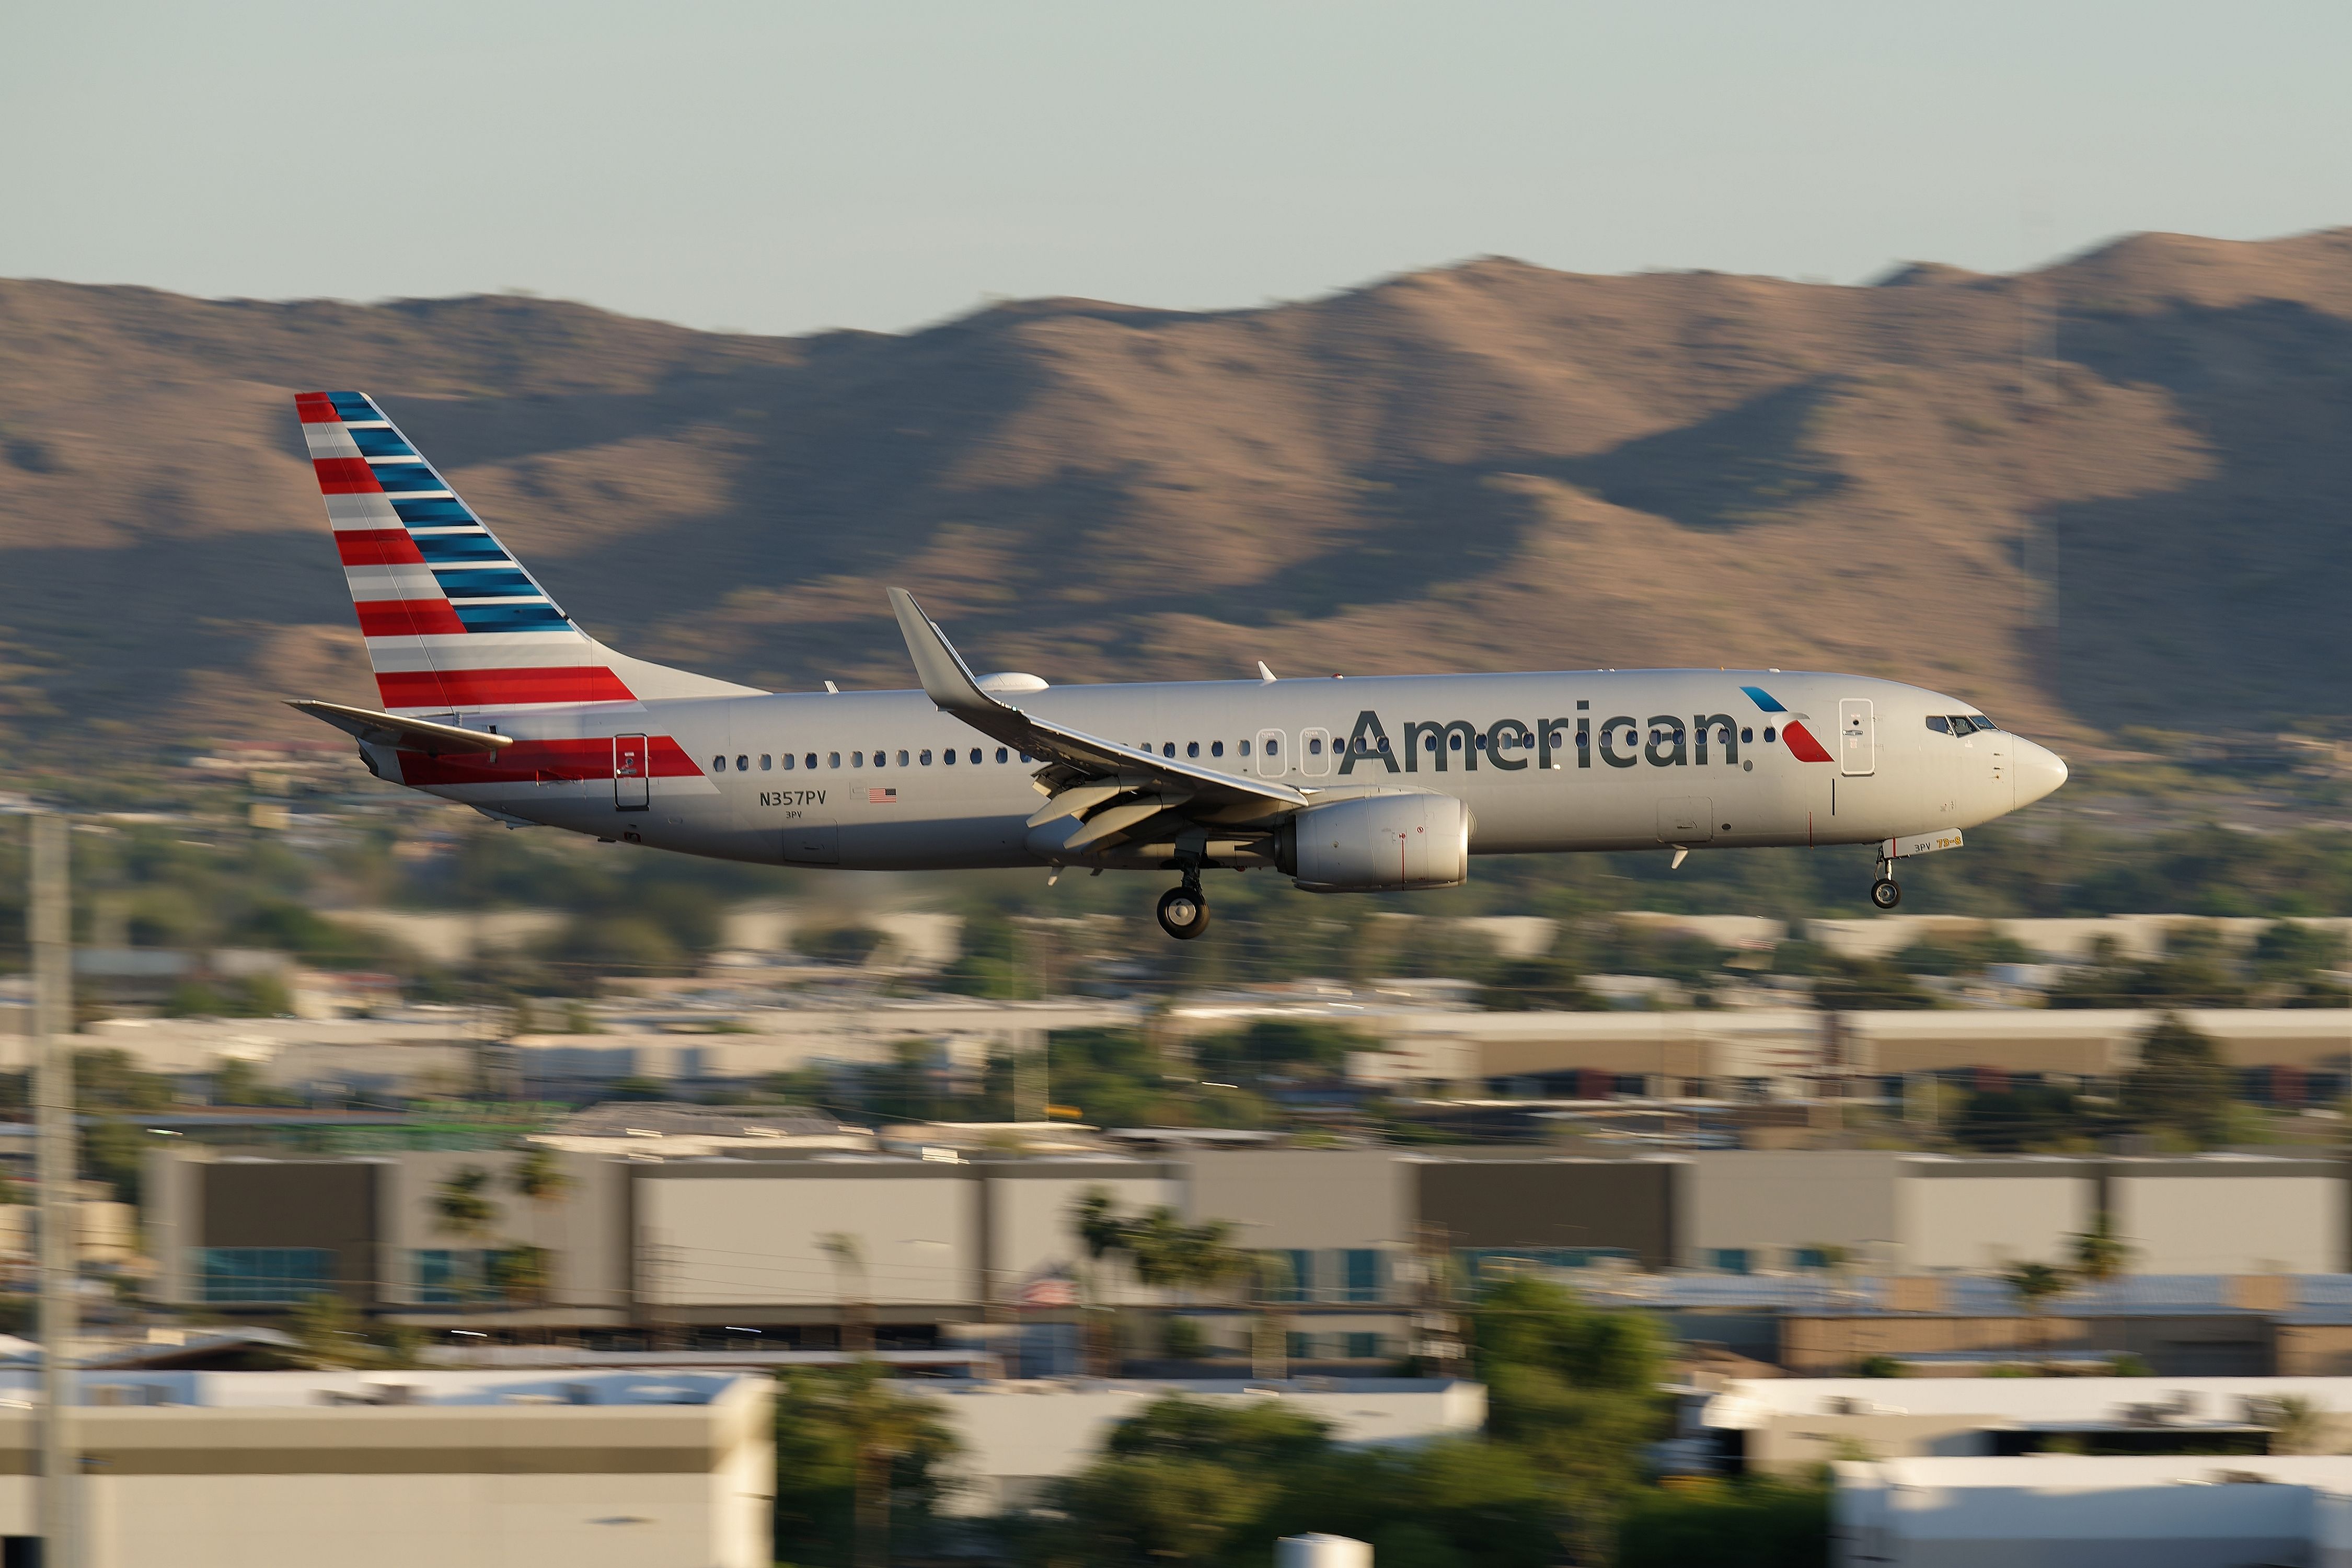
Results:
882 797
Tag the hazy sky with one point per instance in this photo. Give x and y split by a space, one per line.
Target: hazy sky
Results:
783 167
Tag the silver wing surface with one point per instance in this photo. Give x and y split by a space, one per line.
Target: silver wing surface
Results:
1120 790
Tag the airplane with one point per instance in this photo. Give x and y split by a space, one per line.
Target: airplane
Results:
493 696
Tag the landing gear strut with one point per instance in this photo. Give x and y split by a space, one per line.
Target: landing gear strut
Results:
1883 892
1183 913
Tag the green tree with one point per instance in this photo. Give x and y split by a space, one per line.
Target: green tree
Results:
1184 1481
994 961
237 1082
115 1153
852 944
1577 1391
109 1079
519 1274
462 1206
858 1465
1166 1253
1755 1521
2035 1286
1549 984
2180 1084
2100 1255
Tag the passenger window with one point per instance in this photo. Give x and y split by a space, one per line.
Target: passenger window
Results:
1169 750
925 758
718 764
1216 748
1938 722
1314 745
1002 754
857 759
1245 748
947 756
1455 740
743 763
788 762
1273 748
902 759
1768 734
1191 748
835 763
1746 734
836 759
767 762
1027 758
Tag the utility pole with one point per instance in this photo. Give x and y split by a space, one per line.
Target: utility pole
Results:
52 933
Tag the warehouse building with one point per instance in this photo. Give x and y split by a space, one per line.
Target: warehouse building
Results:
2081 1511
798 1243
386 1470
1788 1426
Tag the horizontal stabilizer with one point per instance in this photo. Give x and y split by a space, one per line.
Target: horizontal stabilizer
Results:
408 734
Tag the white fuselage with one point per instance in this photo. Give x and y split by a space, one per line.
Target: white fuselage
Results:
1542 761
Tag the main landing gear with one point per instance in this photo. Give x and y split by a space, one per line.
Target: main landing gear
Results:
1183 913
1885 892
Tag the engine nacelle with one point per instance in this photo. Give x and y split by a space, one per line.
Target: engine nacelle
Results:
1378 843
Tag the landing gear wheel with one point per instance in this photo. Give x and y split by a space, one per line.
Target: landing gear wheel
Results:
1183 913
1884 893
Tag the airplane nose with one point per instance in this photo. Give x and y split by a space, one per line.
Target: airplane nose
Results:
2039 771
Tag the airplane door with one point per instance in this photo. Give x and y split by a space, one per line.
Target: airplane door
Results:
1315 752
1857 737
1271 763
632 773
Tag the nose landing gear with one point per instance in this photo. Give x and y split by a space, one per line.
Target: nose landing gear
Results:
1885 892
1183 913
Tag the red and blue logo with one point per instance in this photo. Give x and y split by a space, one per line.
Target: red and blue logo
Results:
1801 744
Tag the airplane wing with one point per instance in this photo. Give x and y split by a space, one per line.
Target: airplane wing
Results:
411 734
1130 784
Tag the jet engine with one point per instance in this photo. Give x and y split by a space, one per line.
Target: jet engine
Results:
1380 843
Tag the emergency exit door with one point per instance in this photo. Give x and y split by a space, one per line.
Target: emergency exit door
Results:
632 773
1857 736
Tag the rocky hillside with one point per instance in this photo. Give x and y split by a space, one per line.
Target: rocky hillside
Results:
1487 466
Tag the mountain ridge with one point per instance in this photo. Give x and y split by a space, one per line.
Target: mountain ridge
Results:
1487 465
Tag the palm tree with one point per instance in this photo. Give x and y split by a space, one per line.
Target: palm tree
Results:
2034 1284
2100 1255
461 1204
849 1274
1166 1253
885 1427
542 1182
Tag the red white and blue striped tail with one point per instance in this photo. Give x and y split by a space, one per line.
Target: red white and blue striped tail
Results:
453 622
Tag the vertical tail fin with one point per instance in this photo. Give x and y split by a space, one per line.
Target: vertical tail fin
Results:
452 621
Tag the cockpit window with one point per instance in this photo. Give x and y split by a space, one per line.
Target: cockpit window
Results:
1938 722
1962 725
1981 722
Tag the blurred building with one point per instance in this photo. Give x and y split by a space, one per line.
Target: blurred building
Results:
2094 1511
1788 1426
260 1469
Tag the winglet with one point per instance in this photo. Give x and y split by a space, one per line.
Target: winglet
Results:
1266 676
946 679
